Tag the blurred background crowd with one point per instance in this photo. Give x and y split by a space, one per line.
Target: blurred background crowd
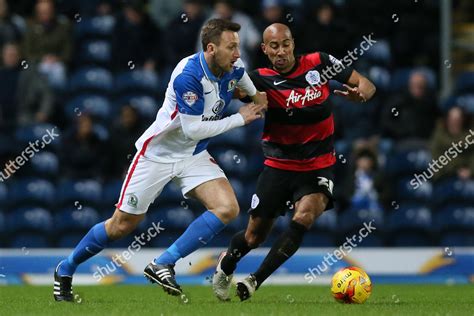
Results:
98 69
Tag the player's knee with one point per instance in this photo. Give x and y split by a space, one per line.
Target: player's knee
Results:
308 216
120 227
253 240
228 212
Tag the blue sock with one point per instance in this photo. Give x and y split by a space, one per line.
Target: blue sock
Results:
198 234
91 244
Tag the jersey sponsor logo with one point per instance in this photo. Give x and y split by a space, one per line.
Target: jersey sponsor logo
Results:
327 183
210 118
217 108
276 83
309 95
190 98
313 77
132 200
255 202
231 85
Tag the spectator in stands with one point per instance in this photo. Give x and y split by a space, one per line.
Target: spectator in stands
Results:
181 41
411 115
360 189
25 97
121 148
135 39
453 129
12 26
82 153
48 42
249 36
321 30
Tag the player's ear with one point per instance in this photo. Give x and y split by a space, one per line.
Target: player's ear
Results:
211 48
264 48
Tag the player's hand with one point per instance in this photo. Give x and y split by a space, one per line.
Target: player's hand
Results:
251 112
260 98
239 94
352 94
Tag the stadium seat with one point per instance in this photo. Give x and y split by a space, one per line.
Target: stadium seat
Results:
101 131
33 191
76 219
233 162
147 106
174 218
241 192
96 105
95 27
3 194
408 161
29 240
453 190
353 219
136 81
171 194
95 52
407 193
410 226
466 101
235 137
34 132
44 164
380 53
3 230
455 219
380 76
91 80
30 219
465 82
84 192
111 192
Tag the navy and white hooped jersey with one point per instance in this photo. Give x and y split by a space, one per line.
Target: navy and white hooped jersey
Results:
192 90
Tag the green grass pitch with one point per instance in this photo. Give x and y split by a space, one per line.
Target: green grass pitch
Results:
269 300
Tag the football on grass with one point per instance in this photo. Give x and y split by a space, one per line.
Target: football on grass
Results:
351 285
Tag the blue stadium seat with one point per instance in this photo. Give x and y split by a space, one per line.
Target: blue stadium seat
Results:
44 164
400 79
410 225
86 192
319 239
465 82
457 239
29 240
91 79
34 132
235 137
33 191
95 52
68 239
111 192
79 219
3 194
233 162
241 192
171 194
327 222
174 218
406 192
95 27
101 131
352 220
407 162
453 190
466 101
3 229
95 105
141 81
380 76
455 218
147 106
30 219
380 53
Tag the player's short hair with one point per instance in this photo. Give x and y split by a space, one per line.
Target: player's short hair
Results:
212 30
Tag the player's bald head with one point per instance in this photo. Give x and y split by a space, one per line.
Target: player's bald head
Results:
276 30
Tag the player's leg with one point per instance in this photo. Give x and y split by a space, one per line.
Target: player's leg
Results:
267 203
313 195
138 191
200 177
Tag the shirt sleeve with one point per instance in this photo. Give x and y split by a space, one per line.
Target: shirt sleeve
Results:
189 95
196 129
342 71
244 83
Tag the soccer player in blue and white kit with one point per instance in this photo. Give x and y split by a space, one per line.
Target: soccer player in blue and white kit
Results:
174 148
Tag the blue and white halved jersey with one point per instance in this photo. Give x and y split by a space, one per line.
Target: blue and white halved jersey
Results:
193 94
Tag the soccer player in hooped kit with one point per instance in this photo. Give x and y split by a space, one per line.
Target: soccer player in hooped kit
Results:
174 148
299 155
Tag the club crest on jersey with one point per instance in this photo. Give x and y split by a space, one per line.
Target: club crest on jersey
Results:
190 98
132 200
217 108
231 85
313 77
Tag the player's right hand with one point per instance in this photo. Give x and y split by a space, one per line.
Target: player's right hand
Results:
251 112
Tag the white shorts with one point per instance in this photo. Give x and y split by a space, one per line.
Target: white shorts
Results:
146 179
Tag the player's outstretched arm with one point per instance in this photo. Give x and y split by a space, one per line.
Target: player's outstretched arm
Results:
358 88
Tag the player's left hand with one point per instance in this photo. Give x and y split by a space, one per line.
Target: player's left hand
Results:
352 94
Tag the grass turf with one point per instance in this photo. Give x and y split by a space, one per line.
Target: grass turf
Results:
269 300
